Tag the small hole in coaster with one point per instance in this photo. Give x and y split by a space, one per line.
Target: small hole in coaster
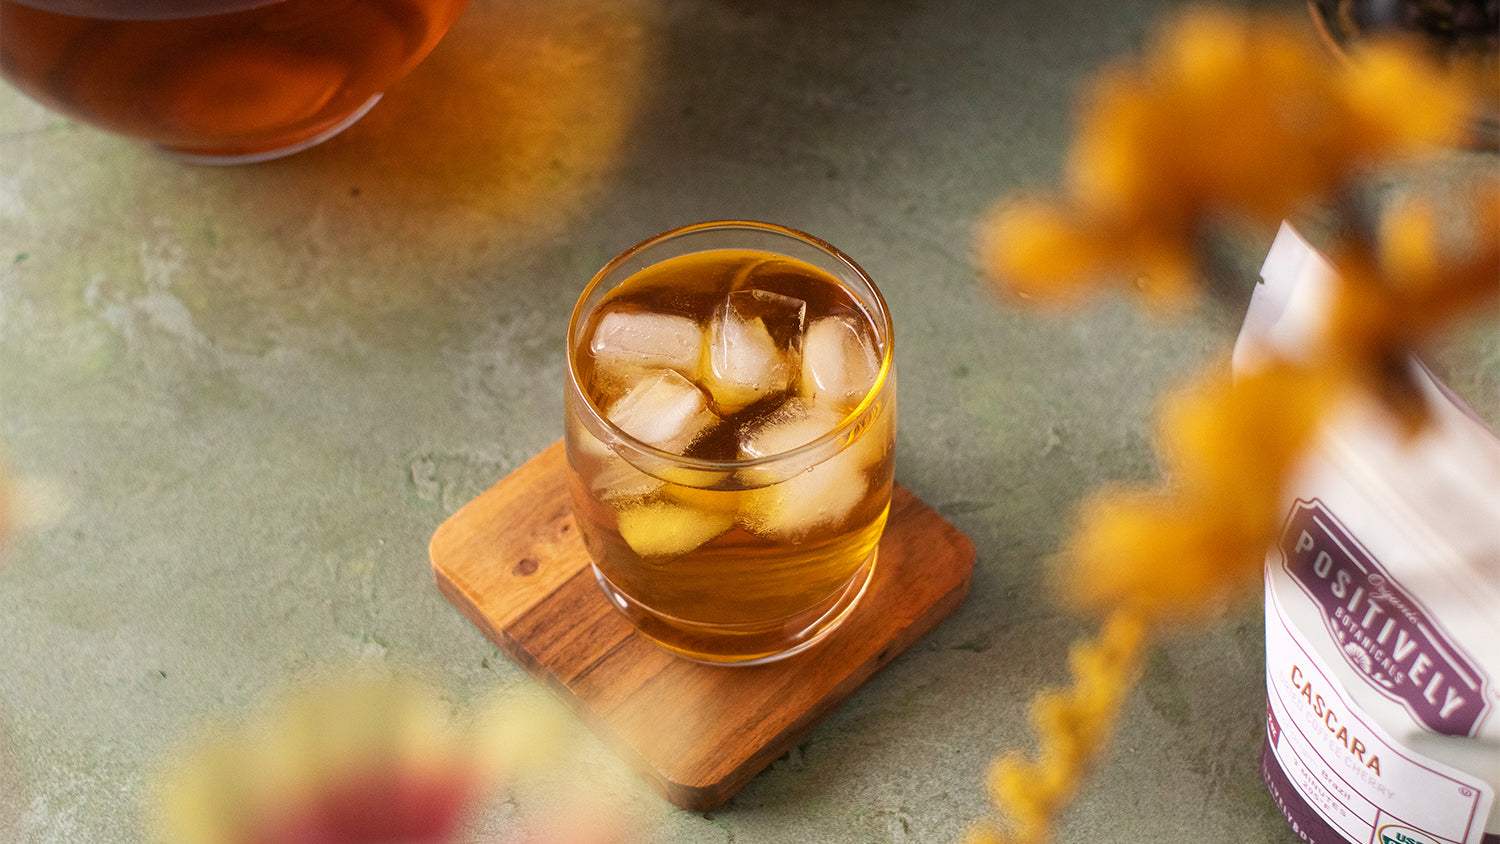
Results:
526 566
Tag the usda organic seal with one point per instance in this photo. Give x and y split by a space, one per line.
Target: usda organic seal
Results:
1397 834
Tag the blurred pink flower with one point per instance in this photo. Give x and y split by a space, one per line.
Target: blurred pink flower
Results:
363 760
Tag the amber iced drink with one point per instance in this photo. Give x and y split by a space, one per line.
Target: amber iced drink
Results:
730 429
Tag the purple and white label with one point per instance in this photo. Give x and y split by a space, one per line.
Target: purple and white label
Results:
1339 777
1382 632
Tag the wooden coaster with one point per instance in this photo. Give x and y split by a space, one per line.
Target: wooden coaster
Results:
512 561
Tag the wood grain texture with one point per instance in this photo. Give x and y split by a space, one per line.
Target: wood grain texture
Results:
512 561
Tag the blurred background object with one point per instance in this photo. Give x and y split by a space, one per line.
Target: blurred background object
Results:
1464 35
217 81
370 758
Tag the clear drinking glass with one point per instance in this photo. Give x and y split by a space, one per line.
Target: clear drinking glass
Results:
217 81
730 430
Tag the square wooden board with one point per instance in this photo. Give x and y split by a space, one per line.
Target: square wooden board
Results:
512 561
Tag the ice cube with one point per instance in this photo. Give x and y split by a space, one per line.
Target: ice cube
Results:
661 529
626 342
609 475
754 345
664 410
784 316
823 494
796 423
839 366
617 479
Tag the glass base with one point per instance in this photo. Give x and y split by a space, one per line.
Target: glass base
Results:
732 645
217 159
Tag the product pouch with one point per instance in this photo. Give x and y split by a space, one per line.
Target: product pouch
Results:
1382 601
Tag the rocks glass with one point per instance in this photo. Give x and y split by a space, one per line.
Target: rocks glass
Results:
730 429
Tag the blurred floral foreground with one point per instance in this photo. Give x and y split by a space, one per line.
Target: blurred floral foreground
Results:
1232 124
1228 122
376 759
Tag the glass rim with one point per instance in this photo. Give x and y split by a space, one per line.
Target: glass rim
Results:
880 316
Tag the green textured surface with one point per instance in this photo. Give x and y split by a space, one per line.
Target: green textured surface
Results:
251 394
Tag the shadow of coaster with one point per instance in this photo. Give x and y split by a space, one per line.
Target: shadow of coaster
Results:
512 561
